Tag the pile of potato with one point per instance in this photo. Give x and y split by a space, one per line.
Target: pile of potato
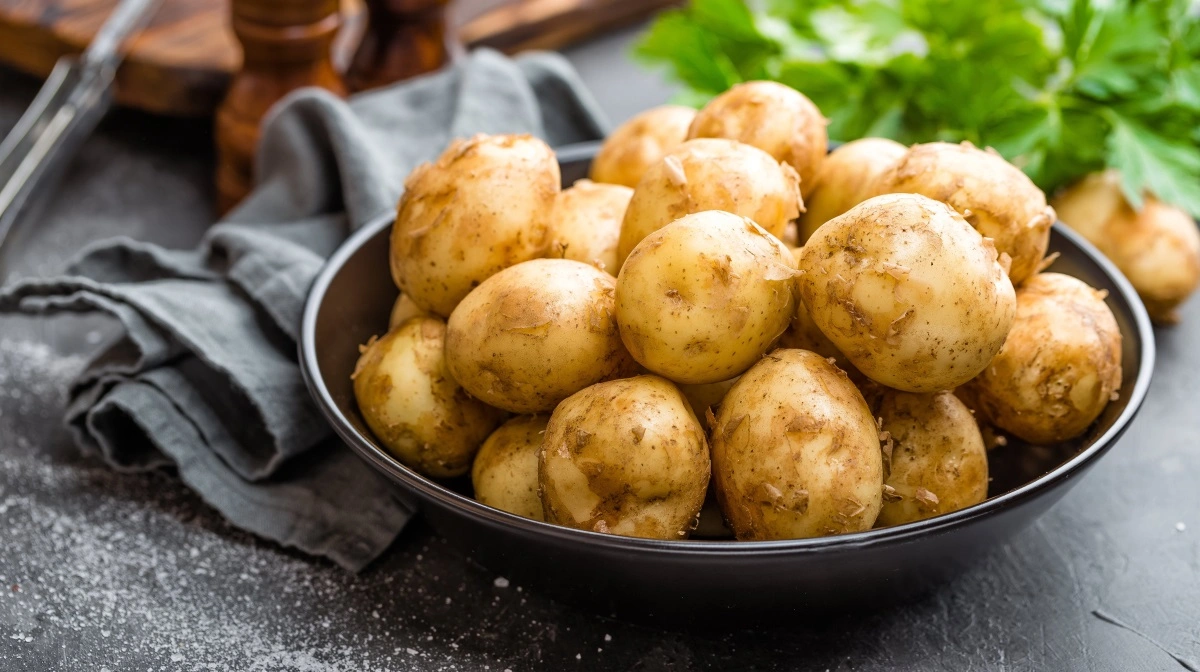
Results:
607 356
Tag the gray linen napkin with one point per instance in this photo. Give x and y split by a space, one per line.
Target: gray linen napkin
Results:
204 375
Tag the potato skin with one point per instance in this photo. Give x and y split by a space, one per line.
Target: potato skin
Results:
1060 366
704 397
938 462
804 334
483 206
774 117
639 143
414 407
404 310
908 291
536 333
701 299
1158 249
993 195
587 223
505 472
625 457
845 179
796 452
710 174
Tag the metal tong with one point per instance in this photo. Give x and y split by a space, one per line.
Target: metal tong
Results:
66 110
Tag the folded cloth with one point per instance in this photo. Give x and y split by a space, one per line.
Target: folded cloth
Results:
204 375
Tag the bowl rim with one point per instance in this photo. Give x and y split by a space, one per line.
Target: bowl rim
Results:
426 488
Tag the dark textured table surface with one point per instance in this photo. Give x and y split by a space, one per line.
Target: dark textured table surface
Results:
106 571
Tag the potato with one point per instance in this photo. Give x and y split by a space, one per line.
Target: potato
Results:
791 235
1158 249
414 407
536 333
483 206
710 174
908 291
992 194
705 396
625 457
505 473
1060 366
639 143
701 299
845 179
586 223
803 334
404 310
796 452
776 118
938 461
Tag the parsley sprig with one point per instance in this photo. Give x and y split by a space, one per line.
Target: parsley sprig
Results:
1059 87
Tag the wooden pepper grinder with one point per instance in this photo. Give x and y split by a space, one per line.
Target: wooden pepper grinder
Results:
286 45
404 38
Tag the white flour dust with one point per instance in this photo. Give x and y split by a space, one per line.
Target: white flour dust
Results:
102 570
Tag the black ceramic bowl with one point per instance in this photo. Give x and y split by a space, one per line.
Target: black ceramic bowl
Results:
673 580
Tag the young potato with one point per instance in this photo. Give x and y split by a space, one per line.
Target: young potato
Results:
1060 366
505 472
791 235
587 223
938 462
774 117
705 396
911 294
796 452
845 180
625 457
701 299
991 193
803 334
639 143
711 174
404 310
1158 249
536 333
483 206
414 407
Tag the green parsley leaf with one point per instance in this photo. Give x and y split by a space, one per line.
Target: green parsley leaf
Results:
1059 87
1150 162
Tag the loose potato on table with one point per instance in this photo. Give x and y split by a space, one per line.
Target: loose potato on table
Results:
710 174
774 117
505 472
534 334
483 206
1158 249
911 294
586 223
639 143
414 407
1060 366
796 452
701 299
993 195
845 179
938 461
625 457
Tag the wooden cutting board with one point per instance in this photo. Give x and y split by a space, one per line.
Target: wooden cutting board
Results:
183 61
179 65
